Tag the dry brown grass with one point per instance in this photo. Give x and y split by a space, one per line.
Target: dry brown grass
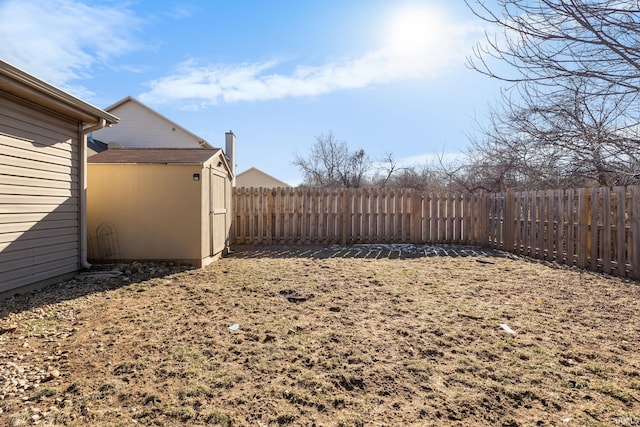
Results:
337 342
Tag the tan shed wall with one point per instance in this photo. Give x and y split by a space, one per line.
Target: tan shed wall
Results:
39 205
154 211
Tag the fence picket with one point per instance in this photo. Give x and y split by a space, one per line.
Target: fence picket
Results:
561 228
593 230
620 230
605 243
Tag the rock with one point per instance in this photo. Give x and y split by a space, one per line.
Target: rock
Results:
51 375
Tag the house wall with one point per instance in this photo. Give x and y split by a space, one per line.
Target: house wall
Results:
147 212
39 194
140 127
256 178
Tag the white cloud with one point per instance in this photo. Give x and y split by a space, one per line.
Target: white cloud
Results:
418 54
62 40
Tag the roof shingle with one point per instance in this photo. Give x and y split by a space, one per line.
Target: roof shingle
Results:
155 155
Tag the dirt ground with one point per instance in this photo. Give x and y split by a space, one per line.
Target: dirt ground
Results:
359 336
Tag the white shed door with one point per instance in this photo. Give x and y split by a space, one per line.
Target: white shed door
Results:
39 207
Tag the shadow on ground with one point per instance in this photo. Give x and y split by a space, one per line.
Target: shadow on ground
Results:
113 276
368 251
100 278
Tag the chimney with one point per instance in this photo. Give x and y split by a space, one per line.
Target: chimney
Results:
230 150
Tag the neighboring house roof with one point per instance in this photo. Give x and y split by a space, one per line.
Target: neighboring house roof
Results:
96 146
19 83
254 177
141 126
167 156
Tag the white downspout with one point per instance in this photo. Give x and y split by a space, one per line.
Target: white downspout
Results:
83 132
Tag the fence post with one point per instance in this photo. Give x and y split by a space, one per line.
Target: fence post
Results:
635 231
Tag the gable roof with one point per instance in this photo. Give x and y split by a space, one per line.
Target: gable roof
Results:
166 156
20 83
127 99
263 174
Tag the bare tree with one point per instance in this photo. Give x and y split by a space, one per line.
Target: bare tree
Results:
422 177
548 41
576 69
568 138
386 170
331 164
594 139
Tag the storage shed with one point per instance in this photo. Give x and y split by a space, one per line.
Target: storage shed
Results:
42 180
159 204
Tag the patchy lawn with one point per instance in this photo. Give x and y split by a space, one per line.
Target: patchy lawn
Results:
326 337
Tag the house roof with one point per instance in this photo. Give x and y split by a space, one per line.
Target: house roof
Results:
177 156
126 99
95 145
256 170
22 84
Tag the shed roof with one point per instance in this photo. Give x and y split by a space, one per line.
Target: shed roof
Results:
155 155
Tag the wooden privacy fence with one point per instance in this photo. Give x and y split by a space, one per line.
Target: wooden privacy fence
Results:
594 228
362 215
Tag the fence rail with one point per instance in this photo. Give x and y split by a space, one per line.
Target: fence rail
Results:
594 228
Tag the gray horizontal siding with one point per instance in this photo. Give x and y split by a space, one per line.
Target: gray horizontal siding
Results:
8 247
14 218
52 166
15 208
38 273
34 235
22 172
33 182
39 195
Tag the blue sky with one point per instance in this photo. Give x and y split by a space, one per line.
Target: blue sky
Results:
387 76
